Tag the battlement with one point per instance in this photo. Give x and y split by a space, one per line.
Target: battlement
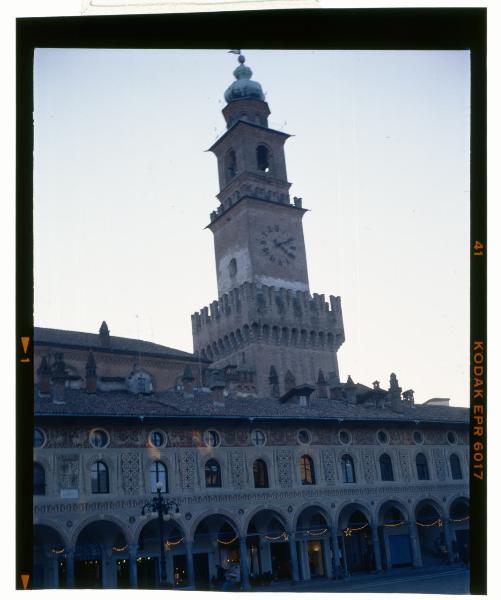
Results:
266 314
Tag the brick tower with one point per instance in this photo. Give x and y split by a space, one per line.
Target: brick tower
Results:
265 322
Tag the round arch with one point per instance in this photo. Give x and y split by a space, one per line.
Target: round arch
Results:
268 544
453 503
309 510
105 518
345 511
358 532
221 512
151 522
429 501
48 543
385 505
429 517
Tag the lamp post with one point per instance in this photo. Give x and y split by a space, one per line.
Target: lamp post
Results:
169 509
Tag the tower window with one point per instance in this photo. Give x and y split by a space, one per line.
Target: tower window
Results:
386 468
348 469
100 483
263 159
212 474
260 474
232 267
231 165
422 467
307 470
158 474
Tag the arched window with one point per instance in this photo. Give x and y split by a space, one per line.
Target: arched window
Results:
231 165
348 469
456 467
158 474
260 474
422 467
307 470
386 467
100 483
38 480
263 158
212 474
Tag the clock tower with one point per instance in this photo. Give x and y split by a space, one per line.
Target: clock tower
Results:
265 323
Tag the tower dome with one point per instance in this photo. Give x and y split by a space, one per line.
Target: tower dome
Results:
243 88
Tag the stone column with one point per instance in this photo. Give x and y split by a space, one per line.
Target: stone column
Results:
133 567
417 561
294 561
377 549
189 564
327 556
70 569
53 571
304 563
244 563
345 555
170 568
335 553
387 550
448 541
109 569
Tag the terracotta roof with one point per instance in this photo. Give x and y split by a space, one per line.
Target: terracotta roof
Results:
172 404
93 341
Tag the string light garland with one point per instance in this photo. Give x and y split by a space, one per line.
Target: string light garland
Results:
58 551
168 543
438 522
317 531
349 530
122 549
397 524
226 542
282 536
460 520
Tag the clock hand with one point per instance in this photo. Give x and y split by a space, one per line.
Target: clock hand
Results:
279 244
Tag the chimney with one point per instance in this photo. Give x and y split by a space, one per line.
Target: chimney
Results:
394 393
217 386
58 379
43 373
351 388
91 375
335 390
274 384
187 380
322 389
104 335
408 397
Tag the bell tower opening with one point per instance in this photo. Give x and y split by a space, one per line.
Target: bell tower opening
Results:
263 158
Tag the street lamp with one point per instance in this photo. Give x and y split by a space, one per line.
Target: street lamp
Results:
162 507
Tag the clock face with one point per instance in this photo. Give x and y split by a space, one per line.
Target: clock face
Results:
277 245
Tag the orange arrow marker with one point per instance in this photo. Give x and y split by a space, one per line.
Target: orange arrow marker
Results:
25 578
25 340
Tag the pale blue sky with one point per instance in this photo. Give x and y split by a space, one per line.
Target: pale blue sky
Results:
380 154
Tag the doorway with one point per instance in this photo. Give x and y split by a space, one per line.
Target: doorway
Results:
201 566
